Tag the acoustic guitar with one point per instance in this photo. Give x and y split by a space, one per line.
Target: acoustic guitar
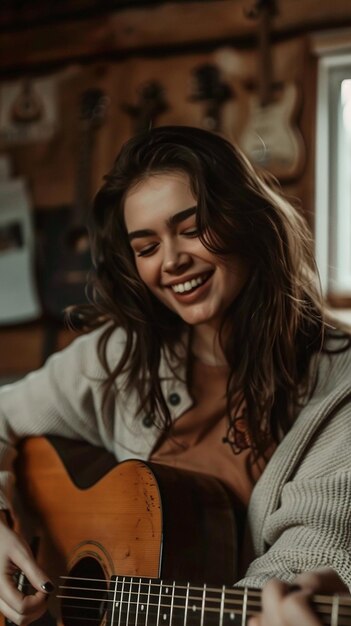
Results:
114 538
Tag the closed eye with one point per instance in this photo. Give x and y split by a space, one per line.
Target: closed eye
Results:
191 232
147 250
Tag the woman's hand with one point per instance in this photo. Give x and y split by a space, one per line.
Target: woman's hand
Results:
289 605
15 556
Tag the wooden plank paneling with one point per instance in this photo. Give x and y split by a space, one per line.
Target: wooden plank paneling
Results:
50 167
22 347
120 51
165 25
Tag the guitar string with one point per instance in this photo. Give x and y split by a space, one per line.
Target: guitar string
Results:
231 594
155 582
151 604
229 605
123 612
234 607
325 620
324 617
252 606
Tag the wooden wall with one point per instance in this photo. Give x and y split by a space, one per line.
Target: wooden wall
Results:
122 52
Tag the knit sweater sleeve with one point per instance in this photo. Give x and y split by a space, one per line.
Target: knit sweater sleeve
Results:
311 527
62 398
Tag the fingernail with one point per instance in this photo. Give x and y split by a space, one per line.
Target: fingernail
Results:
48 587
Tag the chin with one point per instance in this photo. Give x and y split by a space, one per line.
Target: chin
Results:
194 320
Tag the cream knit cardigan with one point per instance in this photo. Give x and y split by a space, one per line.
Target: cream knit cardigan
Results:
300 509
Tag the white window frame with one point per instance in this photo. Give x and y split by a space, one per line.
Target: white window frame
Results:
332 214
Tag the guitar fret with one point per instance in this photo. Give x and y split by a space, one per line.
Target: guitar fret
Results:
335 612
159 604
186 604
119 603
148 602
222 606
113 602
129 602
244 613
172 604
203 606
137 603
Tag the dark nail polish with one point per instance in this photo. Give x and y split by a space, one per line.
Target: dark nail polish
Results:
48 587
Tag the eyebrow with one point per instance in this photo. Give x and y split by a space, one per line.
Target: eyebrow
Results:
177 218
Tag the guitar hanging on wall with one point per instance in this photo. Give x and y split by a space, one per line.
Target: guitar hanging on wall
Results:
271 138
210 89
65 254
151 104
28 106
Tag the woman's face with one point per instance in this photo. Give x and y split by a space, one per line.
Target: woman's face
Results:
159 215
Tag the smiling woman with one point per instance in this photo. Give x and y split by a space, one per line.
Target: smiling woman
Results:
173 263
252 247
209 350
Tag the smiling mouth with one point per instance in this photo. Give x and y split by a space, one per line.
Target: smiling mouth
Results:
191 285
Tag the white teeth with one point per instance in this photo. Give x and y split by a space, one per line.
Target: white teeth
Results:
188 285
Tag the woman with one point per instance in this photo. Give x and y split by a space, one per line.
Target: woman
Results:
210 349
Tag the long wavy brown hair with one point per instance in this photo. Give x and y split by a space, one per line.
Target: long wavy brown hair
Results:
277 322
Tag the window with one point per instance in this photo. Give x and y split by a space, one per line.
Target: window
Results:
333 177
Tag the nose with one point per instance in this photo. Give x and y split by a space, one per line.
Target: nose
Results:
175 260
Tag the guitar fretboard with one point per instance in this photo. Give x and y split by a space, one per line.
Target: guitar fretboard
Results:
130 601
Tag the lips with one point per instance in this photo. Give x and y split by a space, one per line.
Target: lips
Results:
190 286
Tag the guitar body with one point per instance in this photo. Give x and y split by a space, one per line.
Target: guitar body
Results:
271 138
131 519
115 538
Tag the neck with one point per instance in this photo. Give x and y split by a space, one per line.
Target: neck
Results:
206 346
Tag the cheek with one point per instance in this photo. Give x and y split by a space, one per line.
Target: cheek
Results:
236 278
147 272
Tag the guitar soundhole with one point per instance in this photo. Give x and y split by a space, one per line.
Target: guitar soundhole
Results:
85 591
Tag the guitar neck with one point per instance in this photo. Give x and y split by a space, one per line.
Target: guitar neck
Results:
145 601
83 179
263 10
93 108
265 58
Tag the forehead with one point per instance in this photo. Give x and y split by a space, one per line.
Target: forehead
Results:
157 197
